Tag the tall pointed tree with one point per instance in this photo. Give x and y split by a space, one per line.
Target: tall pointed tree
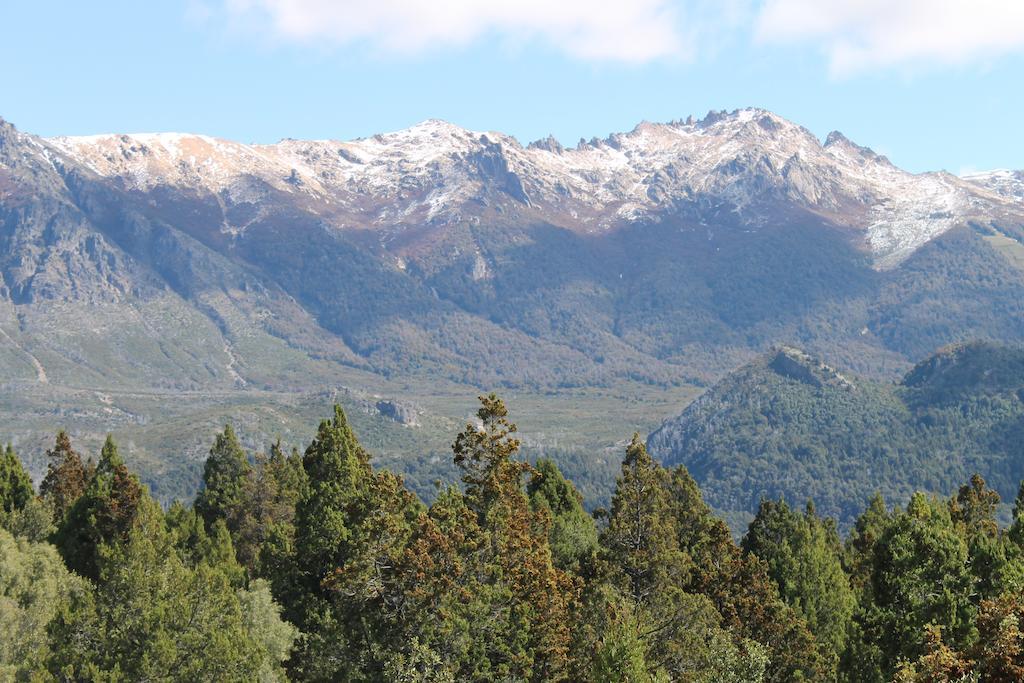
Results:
351 528
105 513
989 549
483 590
224 479
1017 527
273 487
803 557
66 476
15 484
654 531
919 577
573 533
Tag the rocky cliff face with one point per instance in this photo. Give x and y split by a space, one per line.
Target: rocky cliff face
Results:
666 254
436 173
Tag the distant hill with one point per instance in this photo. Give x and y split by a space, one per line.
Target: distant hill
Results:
789 425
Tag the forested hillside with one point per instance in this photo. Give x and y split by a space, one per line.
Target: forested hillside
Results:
788 425
319 566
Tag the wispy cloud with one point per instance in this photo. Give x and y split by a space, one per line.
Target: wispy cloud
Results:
861 35
630 31
855 35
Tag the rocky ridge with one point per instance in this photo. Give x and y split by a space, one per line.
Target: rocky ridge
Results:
438 174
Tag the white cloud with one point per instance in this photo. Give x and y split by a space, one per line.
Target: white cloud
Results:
859 35
632 31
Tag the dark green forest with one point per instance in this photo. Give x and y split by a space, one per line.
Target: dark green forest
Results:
316 566
790 426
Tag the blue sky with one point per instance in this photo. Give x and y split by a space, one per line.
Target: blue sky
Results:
933 89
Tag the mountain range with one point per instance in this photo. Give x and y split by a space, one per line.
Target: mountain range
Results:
140 267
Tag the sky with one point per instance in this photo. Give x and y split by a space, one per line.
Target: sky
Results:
933 84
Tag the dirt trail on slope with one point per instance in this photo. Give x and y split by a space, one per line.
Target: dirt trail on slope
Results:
40 370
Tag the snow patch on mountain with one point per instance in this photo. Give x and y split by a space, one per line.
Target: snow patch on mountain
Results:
438 173
1004 182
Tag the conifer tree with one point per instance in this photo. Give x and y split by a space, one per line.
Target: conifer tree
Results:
991 553
105 513
655 532
803 557
15 484
155 618
227 468
485 594
351 527
273 487
573 533
66 476
1017 527
999 651
640 543
919 577
739 587
195 545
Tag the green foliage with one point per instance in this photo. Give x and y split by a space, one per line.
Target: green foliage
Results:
155 617
224 476
15 484
919 576
66 477
34 585
683 575
479 568
573 533
788 426
345 575
272 489
351 526
104 514
34 522
803 555
261 617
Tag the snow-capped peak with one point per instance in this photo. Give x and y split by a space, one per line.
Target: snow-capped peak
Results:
437 172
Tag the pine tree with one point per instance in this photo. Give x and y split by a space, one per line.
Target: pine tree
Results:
640 543
1017 527
573 533
656 531
225 473
919 577
803 557
740 589
66 477
484 592
273 487
105 513
15 484
351 527
155 618
991 553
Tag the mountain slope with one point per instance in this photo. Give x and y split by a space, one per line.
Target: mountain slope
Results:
436 261
666 254
789 425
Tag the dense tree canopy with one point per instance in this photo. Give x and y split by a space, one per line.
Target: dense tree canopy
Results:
318 566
